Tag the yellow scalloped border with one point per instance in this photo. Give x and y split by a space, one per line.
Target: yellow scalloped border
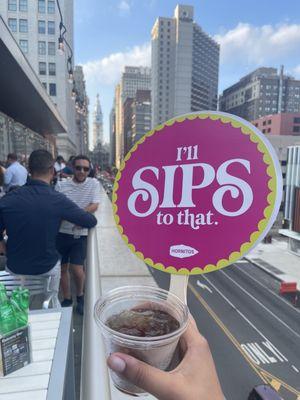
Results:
245 247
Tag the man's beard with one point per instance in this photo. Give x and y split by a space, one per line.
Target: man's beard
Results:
79 181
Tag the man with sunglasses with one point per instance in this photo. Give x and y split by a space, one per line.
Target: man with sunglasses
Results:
72 239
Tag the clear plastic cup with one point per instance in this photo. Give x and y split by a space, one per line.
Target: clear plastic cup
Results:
156 351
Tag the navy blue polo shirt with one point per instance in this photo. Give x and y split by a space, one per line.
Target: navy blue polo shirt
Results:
31 216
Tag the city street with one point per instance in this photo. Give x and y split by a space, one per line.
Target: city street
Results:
253 333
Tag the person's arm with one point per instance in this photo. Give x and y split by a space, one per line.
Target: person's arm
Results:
94 204
92 207
72 213
195 378
8 176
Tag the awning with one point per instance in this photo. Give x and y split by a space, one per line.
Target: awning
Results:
22 95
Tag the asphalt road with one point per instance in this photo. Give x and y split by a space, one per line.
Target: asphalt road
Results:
254 334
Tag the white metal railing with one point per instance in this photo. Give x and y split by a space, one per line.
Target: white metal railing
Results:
94 373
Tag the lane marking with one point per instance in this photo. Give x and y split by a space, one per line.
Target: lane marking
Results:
227 332
270 376
259 355
203 286
262 305
236 309
275 384
265 287
264 375
295 369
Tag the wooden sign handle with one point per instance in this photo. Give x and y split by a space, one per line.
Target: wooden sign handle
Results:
178 286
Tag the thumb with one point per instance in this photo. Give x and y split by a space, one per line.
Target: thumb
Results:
146 377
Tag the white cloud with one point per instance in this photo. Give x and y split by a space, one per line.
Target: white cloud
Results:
258 45
107 70
124 6
296 72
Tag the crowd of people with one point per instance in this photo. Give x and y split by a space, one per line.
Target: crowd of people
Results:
45 214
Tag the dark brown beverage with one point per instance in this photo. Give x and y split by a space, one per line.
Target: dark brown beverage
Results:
143 322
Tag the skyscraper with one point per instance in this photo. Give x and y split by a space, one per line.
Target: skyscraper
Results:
185 66
133 78
262 92
35 26
97 123
137 117
112 136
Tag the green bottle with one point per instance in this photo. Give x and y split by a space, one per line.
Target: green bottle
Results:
20 302
7 315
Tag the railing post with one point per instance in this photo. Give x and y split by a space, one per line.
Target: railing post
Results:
94 374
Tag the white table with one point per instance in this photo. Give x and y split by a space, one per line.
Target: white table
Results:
50 376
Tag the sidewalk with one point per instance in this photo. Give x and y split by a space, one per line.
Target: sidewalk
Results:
276 260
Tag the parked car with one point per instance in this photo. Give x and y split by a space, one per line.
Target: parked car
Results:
264 392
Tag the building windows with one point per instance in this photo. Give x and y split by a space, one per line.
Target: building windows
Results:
51 48
23 5
52 69
296 120
51 7
12 23
264 123
296 129
45 85
269 121
12 5
52 89
51 28
24 45
23 25
42 48
42 27
42 68
42 6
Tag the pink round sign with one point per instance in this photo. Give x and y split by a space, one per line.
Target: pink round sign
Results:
197 193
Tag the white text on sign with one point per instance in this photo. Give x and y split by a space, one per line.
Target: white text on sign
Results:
146 192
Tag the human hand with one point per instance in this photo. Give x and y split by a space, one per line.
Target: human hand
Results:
195 378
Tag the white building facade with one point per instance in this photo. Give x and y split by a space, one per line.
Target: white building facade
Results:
185 66
35 26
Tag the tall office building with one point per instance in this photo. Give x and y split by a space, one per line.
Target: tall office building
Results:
97 123
118 125
112 136
35 26
82 115
185 66
128 115
263 92
137 117
133 78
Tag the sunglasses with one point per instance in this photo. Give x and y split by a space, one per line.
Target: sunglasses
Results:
80 168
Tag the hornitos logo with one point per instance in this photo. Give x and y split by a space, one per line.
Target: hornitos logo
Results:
182 251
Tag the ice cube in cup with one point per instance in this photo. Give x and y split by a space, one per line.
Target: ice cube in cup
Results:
143 321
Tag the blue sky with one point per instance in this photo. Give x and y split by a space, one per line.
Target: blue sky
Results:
111 34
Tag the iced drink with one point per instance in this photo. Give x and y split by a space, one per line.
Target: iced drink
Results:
143 321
